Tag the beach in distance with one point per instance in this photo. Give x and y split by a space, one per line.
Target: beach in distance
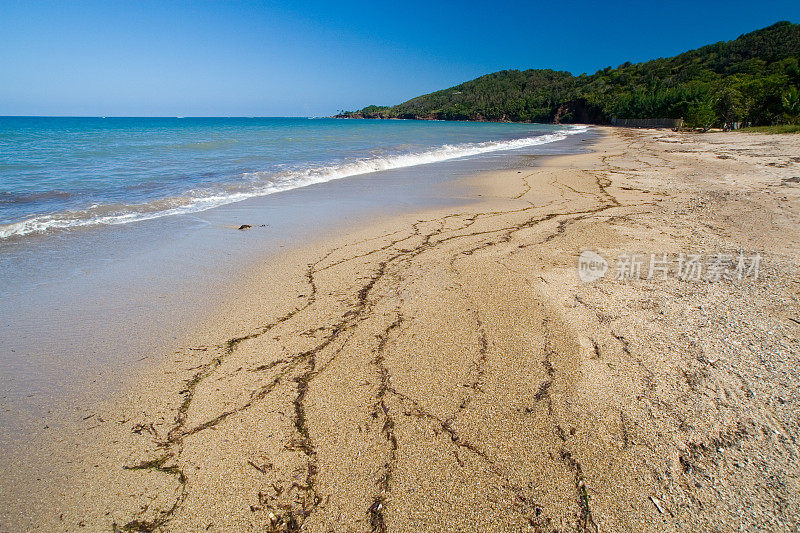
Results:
530 328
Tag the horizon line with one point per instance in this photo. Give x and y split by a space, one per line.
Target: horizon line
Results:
166 116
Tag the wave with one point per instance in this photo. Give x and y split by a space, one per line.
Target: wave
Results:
257 184
7 197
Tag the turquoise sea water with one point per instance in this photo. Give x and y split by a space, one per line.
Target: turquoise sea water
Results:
88 299
58 173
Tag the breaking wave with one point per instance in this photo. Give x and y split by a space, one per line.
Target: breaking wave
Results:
256 184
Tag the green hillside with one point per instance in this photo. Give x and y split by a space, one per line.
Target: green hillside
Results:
752 79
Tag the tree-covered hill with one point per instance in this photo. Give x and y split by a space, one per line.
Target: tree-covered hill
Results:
753 79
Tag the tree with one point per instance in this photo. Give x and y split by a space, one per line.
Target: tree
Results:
701 115
791 105
729 105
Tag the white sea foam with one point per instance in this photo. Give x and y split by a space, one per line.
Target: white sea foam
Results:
265 183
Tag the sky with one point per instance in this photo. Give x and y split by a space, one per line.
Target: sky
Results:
313 58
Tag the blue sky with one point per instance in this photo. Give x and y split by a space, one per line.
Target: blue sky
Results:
312 58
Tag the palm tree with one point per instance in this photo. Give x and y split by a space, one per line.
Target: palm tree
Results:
791 104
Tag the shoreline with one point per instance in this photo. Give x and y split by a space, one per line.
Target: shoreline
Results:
28 219
136 290
448 367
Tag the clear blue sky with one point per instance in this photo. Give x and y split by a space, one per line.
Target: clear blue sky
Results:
312 58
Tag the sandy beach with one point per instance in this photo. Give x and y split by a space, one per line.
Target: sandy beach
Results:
449 370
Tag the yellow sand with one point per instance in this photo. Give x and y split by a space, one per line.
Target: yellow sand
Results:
449 370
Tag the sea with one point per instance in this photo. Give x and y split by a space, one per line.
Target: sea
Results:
63 173
118 236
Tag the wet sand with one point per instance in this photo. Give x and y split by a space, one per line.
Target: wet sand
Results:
449 370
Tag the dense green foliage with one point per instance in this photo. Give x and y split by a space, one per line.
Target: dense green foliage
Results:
753 79
780 128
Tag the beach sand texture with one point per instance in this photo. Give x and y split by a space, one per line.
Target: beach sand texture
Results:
449 371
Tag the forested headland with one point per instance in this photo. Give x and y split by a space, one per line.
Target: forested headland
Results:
753 80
